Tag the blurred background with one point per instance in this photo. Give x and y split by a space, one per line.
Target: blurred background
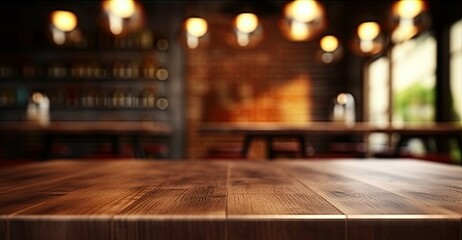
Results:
189 63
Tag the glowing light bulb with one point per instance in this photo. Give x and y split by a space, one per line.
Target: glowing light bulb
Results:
37 97
64 20
368 31
299 31
342 98
408 8
246 22
329 43
196 27
302 10
120 8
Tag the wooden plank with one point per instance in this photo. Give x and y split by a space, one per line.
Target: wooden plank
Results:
190 205
61 227
24 176
418 169
266 203
29 192
277 229
382 213
106 188
199 189
435 185
430 171
3 228
352 196
113 188
406 229
23 196
155 228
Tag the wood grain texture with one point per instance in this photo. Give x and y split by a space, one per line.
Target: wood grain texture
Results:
351 196
107 190
261 189
190 205
48 182
3 228
165 229
69 228
266 203
337 199
379 200
393 229
198 190
100 192
280 229
425 184
30 175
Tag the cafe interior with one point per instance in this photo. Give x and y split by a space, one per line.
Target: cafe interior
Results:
272 120
81 79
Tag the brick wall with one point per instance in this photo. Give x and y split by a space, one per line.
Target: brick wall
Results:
276 81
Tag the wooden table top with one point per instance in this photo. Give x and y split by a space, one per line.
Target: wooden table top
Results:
329 128
328 200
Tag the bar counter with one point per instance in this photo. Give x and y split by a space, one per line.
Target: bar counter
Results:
329 200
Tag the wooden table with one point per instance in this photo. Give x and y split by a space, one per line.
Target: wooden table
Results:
321 200
50 131
298 131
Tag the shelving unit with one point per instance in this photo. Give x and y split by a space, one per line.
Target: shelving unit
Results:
88 81
135 77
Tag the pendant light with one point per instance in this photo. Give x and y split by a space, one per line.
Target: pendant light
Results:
369 39
122 16
245 26
409 19
64 27
303 20
330 49
196 29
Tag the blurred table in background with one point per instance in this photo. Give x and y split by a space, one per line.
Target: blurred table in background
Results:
300 131
111 131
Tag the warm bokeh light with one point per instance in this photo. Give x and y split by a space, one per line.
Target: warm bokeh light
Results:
368 31
299 31
116 25
246 22
404 32
329 43
303 19
408 8
120 8
64 20
196 27
303 10
327 57
342 98
123 16
37 97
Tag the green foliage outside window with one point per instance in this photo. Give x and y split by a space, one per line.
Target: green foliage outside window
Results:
415 103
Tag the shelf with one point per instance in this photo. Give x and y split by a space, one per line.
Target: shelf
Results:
77 80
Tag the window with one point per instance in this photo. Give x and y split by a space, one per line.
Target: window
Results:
413 76
414 80
456 68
